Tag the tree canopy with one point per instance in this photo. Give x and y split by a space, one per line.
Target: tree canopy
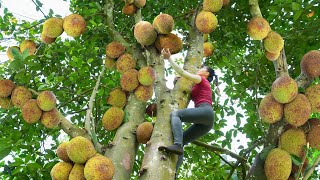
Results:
73 68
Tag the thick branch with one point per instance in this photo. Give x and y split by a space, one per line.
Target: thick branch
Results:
303 81
71 129
221 150
280 65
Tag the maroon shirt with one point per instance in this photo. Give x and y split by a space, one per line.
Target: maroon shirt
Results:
201 93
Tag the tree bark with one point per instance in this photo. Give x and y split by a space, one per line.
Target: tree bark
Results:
122 150
158 165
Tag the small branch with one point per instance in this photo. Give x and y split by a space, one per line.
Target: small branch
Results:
33 91
218 149
309 173
92 98
303 81
224 160
280 65
254 8
31 26
302 163
75 112
84 92
137 16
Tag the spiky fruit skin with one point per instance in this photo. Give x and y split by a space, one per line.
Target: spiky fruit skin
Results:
31 112
207 49
144 132
163 23
61 171
145 33
313 94
47 40
77 172
5 103
292 141
110 63
117 98
125 62
6 87
20 95
9 51
151 110
80 150
143 93
99 167
273 42
115 49
53 27
28 44
129 80
212 5
272 56
297 111
46 100
206 22
112 118
310 64
51 119
258 28
313 135
74 25
270 110
140 3
278 164
169 41
284 89
226 3
129 9
146 76
62 152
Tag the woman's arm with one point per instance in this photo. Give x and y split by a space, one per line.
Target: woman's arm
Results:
192 77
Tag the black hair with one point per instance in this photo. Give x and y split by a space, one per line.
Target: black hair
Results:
211 74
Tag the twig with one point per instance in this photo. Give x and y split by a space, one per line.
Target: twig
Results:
224 160
93 96
31 26
302 162
306 177
218 149
39 9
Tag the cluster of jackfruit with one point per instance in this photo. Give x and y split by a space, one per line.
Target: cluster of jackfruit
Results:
131 6
43 108
74 25
30 45
206 22
158 33
292 141
81 161
258 28
286 102
140 82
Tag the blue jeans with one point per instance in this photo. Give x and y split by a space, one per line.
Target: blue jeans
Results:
202 117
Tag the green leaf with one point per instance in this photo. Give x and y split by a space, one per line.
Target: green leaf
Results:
25 53
16 54
4 152
297 15
295 6
16 65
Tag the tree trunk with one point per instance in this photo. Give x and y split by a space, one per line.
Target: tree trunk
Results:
158 165
122 150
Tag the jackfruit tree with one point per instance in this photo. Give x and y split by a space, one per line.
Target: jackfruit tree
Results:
87 95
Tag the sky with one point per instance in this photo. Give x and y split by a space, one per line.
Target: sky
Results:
25 10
